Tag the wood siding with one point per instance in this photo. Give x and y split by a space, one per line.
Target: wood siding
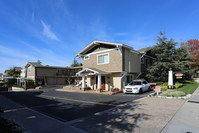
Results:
114 65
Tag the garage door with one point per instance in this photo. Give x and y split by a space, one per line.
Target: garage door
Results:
51 81
60 81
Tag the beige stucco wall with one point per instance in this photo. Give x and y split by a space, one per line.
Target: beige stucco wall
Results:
115 62
111 80
60 81
132 62
31 74
91 82
46 71
116 79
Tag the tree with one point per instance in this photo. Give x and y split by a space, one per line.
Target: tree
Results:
168 57
38 61
75 63
183 62
12 72
193 47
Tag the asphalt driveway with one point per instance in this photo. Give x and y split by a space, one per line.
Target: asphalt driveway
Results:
67 106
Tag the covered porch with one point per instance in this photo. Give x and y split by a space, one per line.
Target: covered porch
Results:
96 79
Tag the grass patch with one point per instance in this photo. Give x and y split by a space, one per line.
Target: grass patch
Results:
173 93
188 87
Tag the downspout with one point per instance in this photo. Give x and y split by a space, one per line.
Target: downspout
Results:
125 73
140 65
142 57
139 75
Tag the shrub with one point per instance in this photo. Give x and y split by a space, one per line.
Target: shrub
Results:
165 84
178 85
163 88
29 80
173 93
159 83
1 110
10 126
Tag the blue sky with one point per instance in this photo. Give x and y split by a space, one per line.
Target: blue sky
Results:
53 31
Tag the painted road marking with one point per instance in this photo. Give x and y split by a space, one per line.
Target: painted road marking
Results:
77 100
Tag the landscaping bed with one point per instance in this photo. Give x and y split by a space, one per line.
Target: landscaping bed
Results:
181 90
9 126
73 88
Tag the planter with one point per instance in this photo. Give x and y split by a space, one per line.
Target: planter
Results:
115 90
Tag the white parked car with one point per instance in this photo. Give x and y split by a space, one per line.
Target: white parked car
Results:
137 86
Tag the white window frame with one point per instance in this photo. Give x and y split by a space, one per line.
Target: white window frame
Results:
29 70
101 55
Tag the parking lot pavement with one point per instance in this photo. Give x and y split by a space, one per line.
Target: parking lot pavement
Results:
145 115
33 121
67 106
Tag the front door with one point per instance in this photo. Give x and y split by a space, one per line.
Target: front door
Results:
103 80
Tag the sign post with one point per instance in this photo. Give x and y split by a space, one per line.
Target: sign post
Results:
157 89
170 79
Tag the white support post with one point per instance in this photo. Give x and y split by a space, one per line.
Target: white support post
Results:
99 85
83 81
170 79
17 82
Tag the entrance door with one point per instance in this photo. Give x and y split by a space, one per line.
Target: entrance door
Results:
103 80
103 83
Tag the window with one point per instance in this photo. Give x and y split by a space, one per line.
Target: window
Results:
129 79
86 57
29 70
103 59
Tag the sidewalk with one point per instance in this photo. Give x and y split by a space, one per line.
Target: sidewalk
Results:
34 121
186 119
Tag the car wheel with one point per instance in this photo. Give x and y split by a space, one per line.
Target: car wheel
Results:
140 91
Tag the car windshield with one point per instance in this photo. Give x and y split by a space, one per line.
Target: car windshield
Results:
135 83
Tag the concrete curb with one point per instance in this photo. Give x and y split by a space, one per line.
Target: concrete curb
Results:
188 96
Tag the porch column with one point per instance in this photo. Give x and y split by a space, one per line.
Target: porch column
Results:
99 85
83 81
17 82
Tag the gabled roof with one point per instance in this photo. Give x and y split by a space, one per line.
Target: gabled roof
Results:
17 68
47 66
35 64
91 71
144 50
95 42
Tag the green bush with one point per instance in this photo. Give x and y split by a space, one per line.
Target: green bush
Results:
1 110
159 83
29 80
178 85
10 126
173 93
163 88
165 84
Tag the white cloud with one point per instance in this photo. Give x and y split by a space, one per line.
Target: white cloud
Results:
48 33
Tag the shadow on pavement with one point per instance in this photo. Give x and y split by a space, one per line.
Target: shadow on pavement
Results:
117 120
64 111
